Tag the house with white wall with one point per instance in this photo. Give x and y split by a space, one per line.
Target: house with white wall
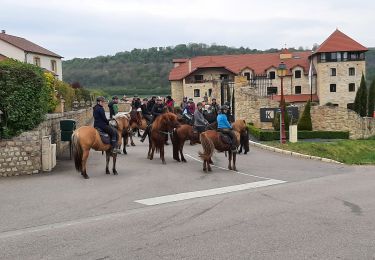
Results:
26 51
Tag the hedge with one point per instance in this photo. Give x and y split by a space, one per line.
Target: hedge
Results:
270 135
24 96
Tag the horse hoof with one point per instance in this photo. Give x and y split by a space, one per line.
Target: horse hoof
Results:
85 176
133 144
107 172
115 173
184 160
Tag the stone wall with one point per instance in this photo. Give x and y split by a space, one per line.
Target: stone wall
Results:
248 103
327 118
122 106
22 154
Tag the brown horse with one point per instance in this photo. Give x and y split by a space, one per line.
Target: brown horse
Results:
161 127
87 137
211 140
179 136
137 121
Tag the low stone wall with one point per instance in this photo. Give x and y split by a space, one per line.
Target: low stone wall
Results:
247 106
122 107
327 118
22 154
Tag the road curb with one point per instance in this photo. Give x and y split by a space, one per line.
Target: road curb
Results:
295 154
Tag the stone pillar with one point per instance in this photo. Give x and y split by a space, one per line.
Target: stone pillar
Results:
293 133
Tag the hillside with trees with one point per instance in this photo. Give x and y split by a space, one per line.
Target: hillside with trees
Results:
145 71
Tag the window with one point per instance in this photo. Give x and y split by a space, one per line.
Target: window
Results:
210 92
271 91
198 78
297 74
351 71
37 61
223 76
333 56
333 71
247 75
332 87
323 57
197 93
53 66
297 89
272 75
345 56
351 87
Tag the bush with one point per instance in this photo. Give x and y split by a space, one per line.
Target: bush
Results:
305 121
24 96
270 135
52 100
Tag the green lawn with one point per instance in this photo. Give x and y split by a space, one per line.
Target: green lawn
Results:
345 151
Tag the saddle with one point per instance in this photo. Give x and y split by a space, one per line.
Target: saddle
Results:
225 138
106 139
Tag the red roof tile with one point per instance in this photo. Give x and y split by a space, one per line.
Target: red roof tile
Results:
339 41
259 63
26 45
295 98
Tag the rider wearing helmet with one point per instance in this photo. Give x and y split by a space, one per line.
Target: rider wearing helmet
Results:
101 122
224 126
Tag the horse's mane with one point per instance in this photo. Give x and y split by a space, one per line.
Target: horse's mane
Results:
162 121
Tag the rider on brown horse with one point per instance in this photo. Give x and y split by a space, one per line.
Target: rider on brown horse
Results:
101 122
225 127
200 123
156 111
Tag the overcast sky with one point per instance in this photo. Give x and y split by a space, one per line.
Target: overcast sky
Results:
89 28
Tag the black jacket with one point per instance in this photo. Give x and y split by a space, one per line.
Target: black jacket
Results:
157 110
100 120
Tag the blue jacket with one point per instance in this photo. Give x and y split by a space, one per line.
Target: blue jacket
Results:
100 120
222 122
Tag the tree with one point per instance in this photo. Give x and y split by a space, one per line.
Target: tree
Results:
304 122
371 99
360 102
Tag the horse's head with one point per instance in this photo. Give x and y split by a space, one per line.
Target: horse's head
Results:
171 120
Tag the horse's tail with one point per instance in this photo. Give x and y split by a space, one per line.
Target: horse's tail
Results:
244 140
176 144
77 152
208 147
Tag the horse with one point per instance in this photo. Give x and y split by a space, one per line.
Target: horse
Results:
137 121
161 127
179 136
87 137
240 126
211 140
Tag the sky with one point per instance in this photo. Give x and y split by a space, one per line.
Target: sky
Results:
90 28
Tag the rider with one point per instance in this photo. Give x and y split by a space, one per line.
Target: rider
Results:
113 107
224 126
200 123
157 110
101 122
145 113
215 108
229 113
169 103
184 103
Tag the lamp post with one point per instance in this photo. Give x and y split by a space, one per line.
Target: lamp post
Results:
281 72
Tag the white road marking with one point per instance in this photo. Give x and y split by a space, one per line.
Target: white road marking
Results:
205 193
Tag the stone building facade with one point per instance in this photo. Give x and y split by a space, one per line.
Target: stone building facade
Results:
22 154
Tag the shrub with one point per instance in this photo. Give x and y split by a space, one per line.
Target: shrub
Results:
304 122
24 96
52 100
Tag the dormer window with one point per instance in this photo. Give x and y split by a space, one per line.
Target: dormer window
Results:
272 75
297 74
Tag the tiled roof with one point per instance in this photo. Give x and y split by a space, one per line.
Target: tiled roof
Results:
258 63
26 45
296 98
339 41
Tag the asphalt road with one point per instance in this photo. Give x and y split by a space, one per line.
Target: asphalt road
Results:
317 211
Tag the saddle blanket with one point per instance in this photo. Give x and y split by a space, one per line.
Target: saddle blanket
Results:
104 136
225 139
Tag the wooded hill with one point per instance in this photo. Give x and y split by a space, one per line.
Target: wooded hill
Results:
145 71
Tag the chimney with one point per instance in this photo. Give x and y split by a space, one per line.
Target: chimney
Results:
3 31
189 65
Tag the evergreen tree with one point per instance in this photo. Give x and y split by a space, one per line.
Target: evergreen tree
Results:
371 99
304 122
360 102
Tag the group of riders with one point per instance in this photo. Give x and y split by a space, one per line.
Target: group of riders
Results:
201 116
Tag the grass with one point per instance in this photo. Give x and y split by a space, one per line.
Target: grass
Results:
345 151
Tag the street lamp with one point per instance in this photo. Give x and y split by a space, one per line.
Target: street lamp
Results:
281 72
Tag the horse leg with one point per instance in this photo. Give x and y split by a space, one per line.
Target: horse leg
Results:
162 154
240 151
234 162
107 158
114 158
152 151
182 152
139 134
131 140
85 155
204 165
230 160
125 142
208 165
149 151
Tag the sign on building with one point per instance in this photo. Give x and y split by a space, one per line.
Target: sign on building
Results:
268 114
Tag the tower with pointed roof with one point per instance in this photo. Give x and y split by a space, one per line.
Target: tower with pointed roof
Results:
339 63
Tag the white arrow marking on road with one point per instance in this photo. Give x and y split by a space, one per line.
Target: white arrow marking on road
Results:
205 193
